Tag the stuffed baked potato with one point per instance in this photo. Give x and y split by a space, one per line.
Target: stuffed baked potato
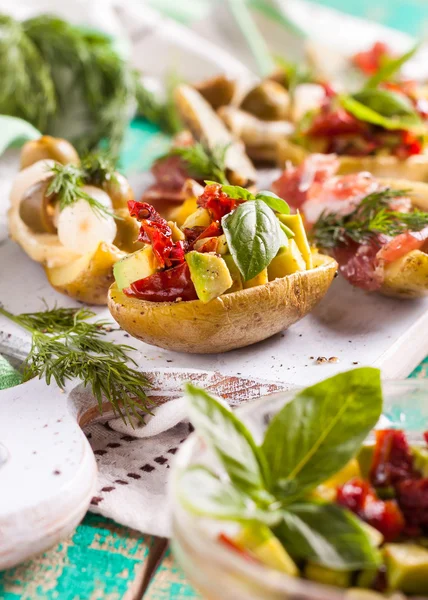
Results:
376 228
71 217
239 270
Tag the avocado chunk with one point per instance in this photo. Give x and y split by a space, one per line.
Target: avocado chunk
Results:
209 274
420 456
295 223
288 260
406 568
200 218
259 279
365 459
135 266
267 548
235 273
327 576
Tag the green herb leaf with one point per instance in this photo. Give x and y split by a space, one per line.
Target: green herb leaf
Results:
384 108
316 434
228 437
66 346
98 168
237 192
390 68
327 534
203 163
370 218
67 185
274 202
203 493
253 236
294 73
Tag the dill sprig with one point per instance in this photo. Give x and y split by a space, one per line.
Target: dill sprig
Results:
98 168
66 184
66 346
164 114
202 162
372 217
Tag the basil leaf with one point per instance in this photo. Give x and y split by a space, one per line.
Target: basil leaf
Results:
203 493
389 69
273 201
228 437
386 109
253 236
312 437
327 534
235 191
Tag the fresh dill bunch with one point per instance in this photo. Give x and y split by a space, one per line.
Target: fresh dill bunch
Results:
66 346
202 162
27 89
373 216
98 167
66 184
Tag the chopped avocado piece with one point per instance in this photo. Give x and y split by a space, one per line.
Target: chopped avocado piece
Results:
180 214
135 266
177 234
420 456
209 274
295 223
367 577
288 260
365 459
267 548
406 568
259 279
235 273
200 218
327 576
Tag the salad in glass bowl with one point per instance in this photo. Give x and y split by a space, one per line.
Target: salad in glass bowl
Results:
317 494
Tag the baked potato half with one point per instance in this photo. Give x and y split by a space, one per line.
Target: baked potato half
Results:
71 217
414 168
230 321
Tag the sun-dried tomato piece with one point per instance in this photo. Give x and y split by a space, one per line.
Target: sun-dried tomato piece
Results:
412 496
155 231
216 201
369 61
385 516
164 286
410 145
143 210
330 122
392 459
353 494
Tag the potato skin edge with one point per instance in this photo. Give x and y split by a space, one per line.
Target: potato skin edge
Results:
231 321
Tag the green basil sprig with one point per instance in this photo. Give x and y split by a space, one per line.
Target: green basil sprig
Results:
239 193
254 236
384 108
310 439
390 68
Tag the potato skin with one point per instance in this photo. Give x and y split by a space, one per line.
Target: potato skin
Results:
407 277
414 168
231 321
88 278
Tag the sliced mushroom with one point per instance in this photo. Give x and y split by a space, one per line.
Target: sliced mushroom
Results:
217 91
268 101
207 127
48 147
37 208
260 137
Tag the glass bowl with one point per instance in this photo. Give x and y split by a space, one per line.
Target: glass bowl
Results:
222 574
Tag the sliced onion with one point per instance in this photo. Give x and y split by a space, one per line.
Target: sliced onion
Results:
81 228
